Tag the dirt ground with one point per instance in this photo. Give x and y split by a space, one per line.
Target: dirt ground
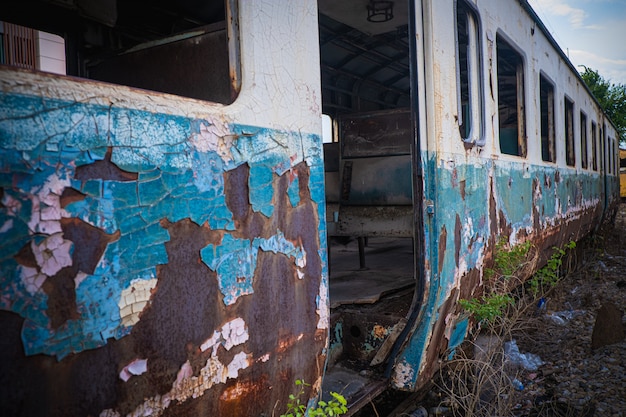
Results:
573 379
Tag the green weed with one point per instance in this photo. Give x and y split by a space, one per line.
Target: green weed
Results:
548 276
295 408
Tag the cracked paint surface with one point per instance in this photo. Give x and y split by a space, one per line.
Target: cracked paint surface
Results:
170 167
134 299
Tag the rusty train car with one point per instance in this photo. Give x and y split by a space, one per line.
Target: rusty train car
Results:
176 238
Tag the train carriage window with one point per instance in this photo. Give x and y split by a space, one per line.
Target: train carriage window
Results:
511 106
570 152
169 47
613 162
327 129
469 87
602 150
546 93
594 146
609 157
583 140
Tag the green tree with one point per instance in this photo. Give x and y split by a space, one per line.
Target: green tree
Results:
612 98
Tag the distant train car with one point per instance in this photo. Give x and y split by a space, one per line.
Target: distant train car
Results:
176 239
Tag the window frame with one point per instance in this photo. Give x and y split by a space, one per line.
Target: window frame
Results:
584 142
474 80
568 133
548 141
503 42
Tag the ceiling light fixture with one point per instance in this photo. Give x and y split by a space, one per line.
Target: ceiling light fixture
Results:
379 11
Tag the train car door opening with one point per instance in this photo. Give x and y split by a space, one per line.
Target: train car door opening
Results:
373 192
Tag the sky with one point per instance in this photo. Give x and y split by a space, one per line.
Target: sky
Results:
591 32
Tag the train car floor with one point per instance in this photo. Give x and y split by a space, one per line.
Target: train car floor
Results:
389 267
356 386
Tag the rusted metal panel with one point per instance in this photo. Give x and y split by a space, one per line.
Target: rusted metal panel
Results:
148 240
388 132
158 274
375 221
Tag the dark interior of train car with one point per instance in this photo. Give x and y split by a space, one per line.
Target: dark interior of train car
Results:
370 164
366 90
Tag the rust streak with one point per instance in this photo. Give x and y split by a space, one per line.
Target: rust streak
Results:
443 238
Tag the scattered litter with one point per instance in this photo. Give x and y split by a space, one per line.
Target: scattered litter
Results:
528 361
517 384
439 411
541 305
419 412
561 317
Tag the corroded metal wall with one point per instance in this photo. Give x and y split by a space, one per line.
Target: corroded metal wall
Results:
141 272
159 255
476 195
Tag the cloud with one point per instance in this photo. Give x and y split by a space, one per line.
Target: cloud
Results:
575 16
611 69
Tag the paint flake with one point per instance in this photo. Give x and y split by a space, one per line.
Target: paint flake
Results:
32 279
136 367
134 299
323 305
53 254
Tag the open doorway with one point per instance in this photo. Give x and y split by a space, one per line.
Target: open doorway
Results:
370 170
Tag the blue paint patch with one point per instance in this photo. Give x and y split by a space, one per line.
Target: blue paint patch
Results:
234 260
458 335
261 187
293 191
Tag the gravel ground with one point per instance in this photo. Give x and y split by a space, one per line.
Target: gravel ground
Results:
590 382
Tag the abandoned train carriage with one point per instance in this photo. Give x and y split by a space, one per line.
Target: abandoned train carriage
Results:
177 240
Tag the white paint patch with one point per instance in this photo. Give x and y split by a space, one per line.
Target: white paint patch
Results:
301 262
240 361
53 254
46 204
134 299
8 225
32 278
185 372
323 305
136 367
403 374
79 278
214 136
212 342
233 333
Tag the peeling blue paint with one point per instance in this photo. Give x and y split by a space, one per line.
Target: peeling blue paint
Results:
294 191
43 139
458 335
235 260
514 186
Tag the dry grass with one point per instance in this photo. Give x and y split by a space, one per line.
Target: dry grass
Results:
479 381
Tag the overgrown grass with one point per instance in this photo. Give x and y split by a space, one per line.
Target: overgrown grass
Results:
478 381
